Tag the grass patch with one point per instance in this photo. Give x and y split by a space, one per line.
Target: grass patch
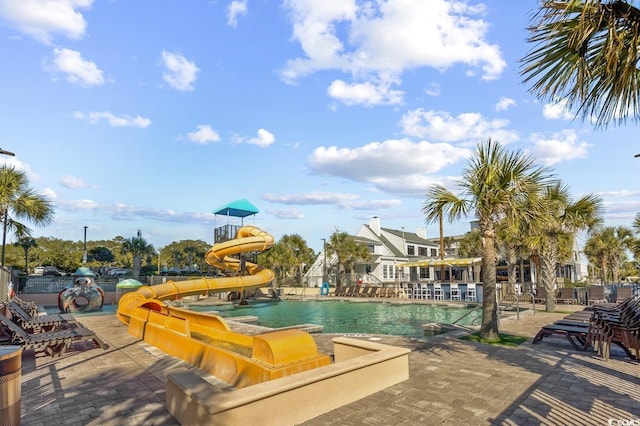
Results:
509 340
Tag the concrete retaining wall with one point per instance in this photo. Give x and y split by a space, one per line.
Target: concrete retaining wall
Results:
361 368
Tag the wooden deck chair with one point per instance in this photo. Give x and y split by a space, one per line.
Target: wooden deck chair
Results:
30 307
39 323
53 343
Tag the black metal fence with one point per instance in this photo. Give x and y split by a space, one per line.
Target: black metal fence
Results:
50 284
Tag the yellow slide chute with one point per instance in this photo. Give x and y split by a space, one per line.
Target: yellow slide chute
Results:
205 340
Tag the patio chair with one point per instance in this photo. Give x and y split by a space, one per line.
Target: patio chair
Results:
39 323
454 292
417 290
438 294
596 295
567 296
53 343
471 292
623 293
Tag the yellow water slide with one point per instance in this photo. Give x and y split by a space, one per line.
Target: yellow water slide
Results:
205 340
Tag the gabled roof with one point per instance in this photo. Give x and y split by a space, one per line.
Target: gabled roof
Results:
238 208
409 237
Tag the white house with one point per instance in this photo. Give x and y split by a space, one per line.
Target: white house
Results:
388 248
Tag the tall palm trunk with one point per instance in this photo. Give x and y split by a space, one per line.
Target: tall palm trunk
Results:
548 262
489 326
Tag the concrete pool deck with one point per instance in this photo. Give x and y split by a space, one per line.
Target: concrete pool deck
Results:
452 381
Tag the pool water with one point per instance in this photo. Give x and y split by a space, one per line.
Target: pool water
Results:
360 318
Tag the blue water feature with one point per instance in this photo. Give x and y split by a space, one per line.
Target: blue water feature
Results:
357 318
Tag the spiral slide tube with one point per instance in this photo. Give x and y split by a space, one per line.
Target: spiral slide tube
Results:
205 340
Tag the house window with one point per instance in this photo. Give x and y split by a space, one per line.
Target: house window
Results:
411 250
384 272
423 251
434 252
424 273
371 248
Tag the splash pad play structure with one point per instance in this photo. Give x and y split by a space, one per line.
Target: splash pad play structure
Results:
266 369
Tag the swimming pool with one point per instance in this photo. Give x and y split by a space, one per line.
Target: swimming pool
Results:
349 317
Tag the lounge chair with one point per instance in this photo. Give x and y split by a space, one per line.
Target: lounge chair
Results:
577 335
39 323
541 295
623 293
53 343
30 307
596 295
567 296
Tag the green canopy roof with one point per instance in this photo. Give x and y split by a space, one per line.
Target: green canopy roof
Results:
238 208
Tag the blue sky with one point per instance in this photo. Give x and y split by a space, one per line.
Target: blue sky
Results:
147 115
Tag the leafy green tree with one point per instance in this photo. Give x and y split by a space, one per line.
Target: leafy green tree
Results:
184 253
286 257
470 245
101 254
586 54
19 202
347 251
493 187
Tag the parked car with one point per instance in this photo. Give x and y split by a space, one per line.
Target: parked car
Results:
38 270
51 270
191 272
174 271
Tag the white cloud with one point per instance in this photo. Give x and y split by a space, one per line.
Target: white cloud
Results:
406 173
561 146
236 8
74 205
204 135
263 139
113 120
367 94
342 200
292 213
180 73
72 182
557 111
42 19
433 89
504 104
379 41
442 126
75 67
49 194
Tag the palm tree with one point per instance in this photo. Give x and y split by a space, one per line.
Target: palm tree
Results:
494 185
20 202
139 248
585 54
555 227
348 252
607 248
26 243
